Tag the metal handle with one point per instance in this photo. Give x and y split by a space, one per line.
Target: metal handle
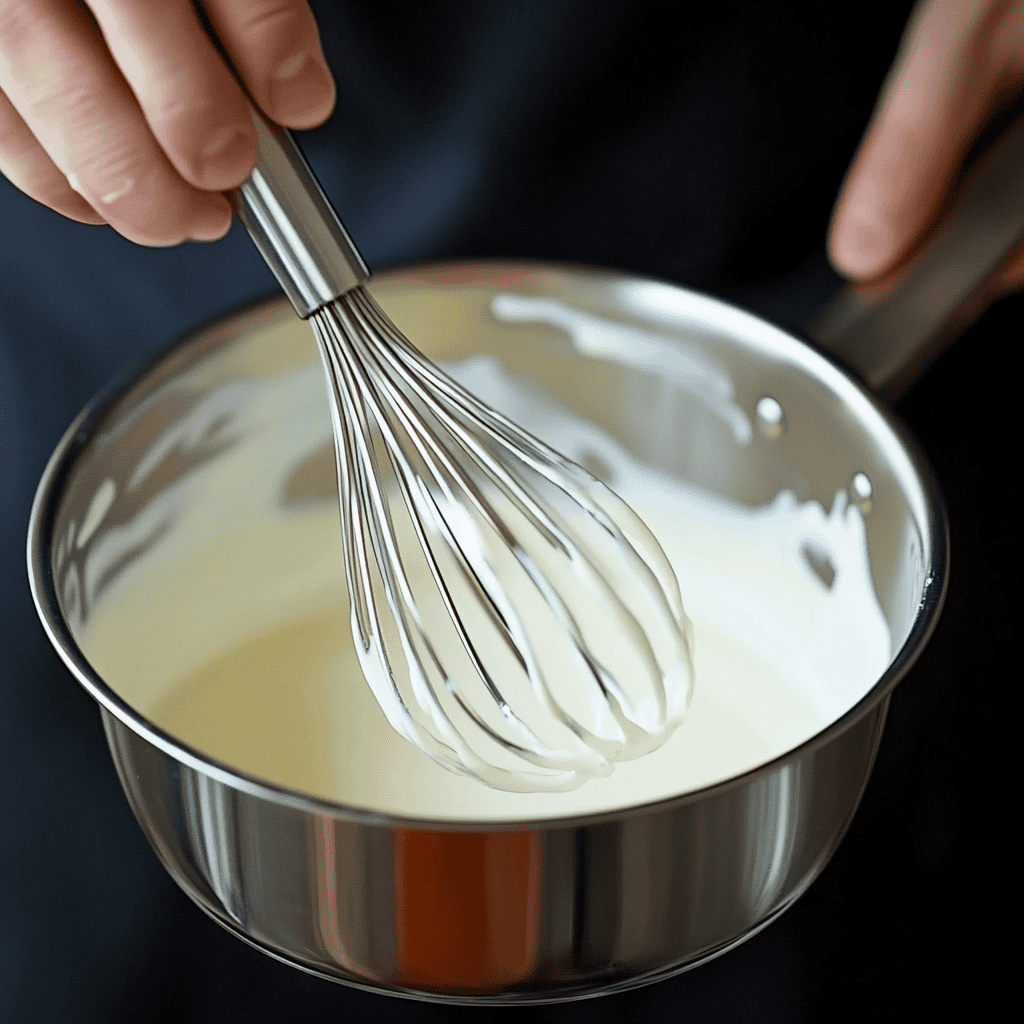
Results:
889 335
287 215
293 225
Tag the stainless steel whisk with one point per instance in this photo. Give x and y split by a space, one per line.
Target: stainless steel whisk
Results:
514 618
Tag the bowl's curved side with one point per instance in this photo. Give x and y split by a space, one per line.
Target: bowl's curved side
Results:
513 912
537 914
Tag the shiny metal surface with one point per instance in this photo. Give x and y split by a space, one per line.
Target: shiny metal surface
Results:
888 334
524 913
476 585
487 576
293 225
527 911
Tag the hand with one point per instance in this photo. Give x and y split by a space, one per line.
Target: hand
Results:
123 112
959 62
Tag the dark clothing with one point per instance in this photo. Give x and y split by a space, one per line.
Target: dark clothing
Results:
703 143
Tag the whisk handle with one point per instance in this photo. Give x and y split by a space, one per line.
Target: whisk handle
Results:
287 215
293 225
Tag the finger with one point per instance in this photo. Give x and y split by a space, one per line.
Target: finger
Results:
191 101
1010 277
957 62
25 164
275 46
63 83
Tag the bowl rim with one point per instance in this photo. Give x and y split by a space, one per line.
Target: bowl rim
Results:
271 309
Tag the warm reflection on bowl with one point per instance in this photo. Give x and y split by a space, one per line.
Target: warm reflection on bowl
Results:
185 564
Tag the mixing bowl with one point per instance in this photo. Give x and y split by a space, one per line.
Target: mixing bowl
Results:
498 911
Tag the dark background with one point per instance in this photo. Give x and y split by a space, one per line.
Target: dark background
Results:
699 143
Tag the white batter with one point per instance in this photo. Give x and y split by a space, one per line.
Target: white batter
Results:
259 671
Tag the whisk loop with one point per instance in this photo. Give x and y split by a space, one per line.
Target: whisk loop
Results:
509 611
514 618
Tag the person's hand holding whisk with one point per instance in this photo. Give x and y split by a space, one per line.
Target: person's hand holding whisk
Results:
122 112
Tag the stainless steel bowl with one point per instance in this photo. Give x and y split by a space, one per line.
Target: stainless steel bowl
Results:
509 912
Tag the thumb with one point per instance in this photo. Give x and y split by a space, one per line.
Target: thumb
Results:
958 61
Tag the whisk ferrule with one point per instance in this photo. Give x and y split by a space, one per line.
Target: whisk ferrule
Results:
294 226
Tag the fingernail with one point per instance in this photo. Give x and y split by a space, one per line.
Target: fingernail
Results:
291 67
221 158
301 90
213 221
860 246
219 143
214 234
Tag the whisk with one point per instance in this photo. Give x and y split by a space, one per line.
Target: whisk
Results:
514 618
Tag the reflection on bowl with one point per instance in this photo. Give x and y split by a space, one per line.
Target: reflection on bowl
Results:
144 562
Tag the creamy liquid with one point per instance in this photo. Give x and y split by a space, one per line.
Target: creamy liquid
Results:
259 670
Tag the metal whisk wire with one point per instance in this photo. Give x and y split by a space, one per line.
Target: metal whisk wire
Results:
443 450
508 610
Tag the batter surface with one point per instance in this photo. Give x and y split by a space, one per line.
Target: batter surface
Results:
271 683
290 705
244 652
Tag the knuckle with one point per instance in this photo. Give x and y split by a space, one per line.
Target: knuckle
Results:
42 69
176 99
105 156
72 99
111 173
187 112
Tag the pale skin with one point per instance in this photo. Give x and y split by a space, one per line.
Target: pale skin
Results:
958 63
122 112
107 104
